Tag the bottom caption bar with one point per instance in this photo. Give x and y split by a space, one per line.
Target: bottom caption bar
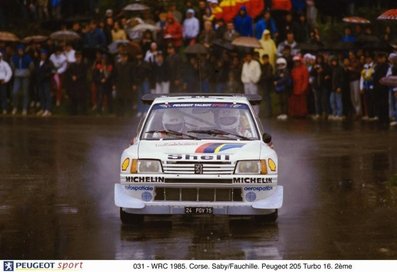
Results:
217 266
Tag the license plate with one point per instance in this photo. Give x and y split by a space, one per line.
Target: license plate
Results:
199 210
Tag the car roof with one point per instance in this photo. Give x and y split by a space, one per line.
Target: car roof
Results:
202 98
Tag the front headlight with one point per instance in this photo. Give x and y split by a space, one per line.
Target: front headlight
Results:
251 167
149 166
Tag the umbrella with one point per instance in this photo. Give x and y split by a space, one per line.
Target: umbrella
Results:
135 7
65 35
8 37
246 42
390 81
223 44
143 27
196 49
356 20
35 38
114 45
390 14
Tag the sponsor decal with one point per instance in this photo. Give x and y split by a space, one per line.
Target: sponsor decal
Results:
256 180
146 196
250 196
138 188
198 168
189 157
33 265
264 188
200 105
143 179
8 266
272 165
216 147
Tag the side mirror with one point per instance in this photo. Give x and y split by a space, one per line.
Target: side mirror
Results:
267 138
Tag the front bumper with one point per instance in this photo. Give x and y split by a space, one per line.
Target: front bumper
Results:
136 206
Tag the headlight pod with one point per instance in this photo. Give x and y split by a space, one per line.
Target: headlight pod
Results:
251 167
145 166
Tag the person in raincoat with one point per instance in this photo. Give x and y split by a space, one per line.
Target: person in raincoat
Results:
300 83
243 23
173 31
268 47
266 23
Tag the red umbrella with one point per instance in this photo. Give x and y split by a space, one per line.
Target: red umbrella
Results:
390 14
356 20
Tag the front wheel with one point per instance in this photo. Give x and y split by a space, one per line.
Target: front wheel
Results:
266 218
130 219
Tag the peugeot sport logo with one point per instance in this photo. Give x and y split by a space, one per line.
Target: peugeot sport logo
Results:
8 266
198 168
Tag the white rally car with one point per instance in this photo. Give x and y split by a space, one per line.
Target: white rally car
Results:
199 154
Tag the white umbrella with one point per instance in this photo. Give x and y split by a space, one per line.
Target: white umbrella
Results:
136 7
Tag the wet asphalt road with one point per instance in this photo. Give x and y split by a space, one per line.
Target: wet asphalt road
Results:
56 196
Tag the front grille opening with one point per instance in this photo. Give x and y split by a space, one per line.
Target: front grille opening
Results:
198 194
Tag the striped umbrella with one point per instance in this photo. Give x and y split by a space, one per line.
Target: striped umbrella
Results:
246 42
390 14
356 20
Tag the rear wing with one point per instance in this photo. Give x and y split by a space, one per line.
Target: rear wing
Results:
254 99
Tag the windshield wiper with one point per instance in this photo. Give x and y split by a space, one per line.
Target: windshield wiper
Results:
219 132
173 132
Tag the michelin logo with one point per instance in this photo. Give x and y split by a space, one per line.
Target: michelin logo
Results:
8 266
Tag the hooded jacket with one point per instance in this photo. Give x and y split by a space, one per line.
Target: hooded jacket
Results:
262 25
173 30
243 23
268 47
191 27
5 71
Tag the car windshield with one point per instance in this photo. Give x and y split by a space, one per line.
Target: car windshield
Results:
172 121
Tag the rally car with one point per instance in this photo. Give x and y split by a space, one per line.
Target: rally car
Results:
199 155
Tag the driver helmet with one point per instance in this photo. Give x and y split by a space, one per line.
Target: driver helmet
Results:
228 119
173 120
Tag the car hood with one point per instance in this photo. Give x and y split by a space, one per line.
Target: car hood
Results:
164 150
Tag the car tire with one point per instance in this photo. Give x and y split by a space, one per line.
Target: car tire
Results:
130 219
266 218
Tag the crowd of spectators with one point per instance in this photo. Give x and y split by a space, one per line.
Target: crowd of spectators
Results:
83 76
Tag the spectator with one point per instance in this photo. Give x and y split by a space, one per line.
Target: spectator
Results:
282 87
5 76
354 71
311 13
103 78
266 83
207 36
147 39
348 36
142 73
42 9
118 34
161 75
174 64
22 64
59 62
250 76
220 28
123 85
381 92
230 33
221 72
173 31
268 47
367 88
298 6
300 83
301 29
290 41
337 79
177 15
393 90
150 55
208 16
56 8
266 23
348 110
78 85
243 23
286 26
44 73
322 86
191 27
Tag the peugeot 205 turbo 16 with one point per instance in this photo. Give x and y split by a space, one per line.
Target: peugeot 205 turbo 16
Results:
199 154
